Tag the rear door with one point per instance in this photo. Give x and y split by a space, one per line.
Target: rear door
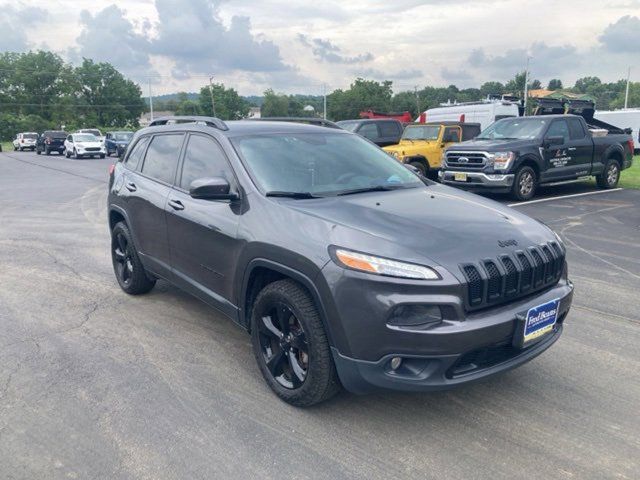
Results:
146 189
203 233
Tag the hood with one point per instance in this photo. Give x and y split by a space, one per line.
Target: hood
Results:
433 225
491 145
88 144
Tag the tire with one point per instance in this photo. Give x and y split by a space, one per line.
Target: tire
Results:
102 156
420 166
15 149
129 272
75 154
610 176
47 151
38 152
67 154
293 339
525 184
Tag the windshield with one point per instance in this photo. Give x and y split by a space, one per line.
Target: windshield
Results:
320 163
85 137
122 136
421 132
92 131
514 129
54 134
30 136
349 125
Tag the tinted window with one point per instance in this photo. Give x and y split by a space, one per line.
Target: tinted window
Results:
369 130
575 129
388 129
559 128
203 158
162 157
451 134
133 160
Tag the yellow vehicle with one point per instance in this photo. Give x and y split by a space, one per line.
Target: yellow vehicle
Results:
422 144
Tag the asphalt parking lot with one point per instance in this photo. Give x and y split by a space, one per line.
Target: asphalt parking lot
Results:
96 384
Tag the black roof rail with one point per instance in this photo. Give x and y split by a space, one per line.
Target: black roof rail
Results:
209 121
310 120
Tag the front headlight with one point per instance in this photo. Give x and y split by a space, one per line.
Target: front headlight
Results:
383 266
501 160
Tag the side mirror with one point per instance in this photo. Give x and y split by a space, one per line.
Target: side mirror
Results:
214 188
550 141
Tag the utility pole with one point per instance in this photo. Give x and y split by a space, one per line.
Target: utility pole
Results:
626 95
415 89
526 84
213 105
324 101
150 99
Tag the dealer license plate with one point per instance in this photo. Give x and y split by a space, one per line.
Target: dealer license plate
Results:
460 177
540 320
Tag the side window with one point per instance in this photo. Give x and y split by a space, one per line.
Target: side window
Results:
576 131
559 128
70 138
388 129
162 157
133 159
369 130
203 159
451 134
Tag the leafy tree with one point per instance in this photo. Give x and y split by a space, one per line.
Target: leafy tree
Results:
274 105
361 95
490 88
584 84
515 86
229 105
555 84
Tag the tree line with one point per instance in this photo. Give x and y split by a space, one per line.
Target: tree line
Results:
39 90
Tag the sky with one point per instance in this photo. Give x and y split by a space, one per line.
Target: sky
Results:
297 46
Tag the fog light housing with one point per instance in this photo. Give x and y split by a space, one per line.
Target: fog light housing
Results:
415 316
396 362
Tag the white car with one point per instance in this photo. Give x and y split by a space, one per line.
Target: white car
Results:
80 145
25 140
93 131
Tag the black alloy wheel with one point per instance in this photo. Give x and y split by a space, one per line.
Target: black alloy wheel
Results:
122 260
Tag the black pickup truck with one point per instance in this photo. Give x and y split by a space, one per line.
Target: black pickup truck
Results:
518 154
50 141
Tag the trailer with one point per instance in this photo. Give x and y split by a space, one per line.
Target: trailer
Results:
626 118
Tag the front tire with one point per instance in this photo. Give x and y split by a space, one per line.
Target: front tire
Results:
420 166
610 176
525 184
38 151
47 151
291 346
129 271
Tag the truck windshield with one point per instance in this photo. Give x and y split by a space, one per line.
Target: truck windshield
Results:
348 125
122 136
421 132
85 137
320 164
514 129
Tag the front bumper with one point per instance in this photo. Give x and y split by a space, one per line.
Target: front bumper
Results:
478 180
464 347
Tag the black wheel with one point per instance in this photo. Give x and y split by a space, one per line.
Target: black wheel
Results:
420 166
102 156
38 151
130 273
67 153
525 183
610 175
75 154
291 346
47 151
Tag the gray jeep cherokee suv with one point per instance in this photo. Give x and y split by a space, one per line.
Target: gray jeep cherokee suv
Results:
347 268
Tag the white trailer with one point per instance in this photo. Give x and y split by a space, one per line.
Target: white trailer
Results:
484 113
626 118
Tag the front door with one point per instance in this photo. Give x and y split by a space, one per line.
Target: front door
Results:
573 156
203 233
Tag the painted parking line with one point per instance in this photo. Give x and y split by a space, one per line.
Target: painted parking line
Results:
562 197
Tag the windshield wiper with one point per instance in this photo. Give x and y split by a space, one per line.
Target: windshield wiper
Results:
377 188
278 193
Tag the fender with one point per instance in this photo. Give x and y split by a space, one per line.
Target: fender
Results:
607 154
290 272
537 158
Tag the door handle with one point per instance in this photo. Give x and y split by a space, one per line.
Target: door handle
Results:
176 204
571 149
131 186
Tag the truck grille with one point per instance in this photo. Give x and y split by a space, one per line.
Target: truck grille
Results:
466 160
494 281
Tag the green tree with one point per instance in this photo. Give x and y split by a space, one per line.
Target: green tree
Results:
361 95
229 105
187 106
584 84
555 84
491 88
515 86
274 105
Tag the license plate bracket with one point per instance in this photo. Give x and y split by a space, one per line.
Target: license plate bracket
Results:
536 323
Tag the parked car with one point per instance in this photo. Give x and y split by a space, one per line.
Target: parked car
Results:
93 131
24 141
116 142
484 112
81 145
307 238
380 131
422 144
50 141
517 155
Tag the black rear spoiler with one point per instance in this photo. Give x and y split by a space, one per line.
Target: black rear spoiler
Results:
584 108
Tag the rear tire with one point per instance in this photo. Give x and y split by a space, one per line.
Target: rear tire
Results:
67 154
38 152
130 273
610 176
525 184
47 151
291 346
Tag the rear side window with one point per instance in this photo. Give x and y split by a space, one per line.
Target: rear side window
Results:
162 157
369 130
388 129
203 159
576 131
133 159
